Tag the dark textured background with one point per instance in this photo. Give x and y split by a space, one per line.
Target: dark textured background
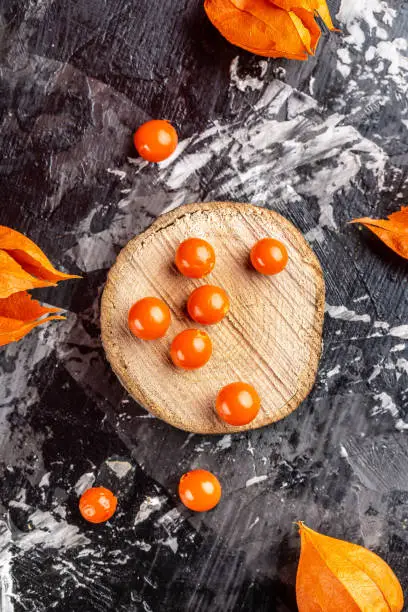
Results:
76 78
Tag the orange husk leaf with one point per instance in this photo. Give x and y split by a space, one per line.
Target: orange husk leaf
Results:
30 257
12 330
14 278
21 306
307 29
336 575
313 7
392 231
260 27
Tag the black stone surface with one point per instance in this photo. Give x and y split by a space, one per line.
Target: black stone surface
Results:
322 142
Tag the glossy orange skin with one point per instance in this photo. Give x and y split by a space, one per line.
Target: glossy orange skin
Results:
195 258
237 404
191 349
199 490
155 140
208 304
149 318
97 505
269 256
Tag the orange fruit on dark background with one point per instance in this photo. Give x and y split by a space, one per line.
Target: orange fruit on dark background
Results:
199 490
97 505
155 140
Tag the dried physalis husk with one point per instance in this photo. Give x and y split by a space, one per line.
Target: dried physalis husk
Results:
30 258
19 314
285 28
334 576
23 265
392 231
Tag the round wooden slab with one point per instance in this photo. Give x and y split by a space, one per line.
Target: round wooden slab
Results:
271 337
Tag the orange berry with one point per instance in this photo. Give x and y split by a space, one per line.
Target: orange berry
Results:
97 505
208 304
191 349
238 403
195 258
149 318
269 256
199 490
155 140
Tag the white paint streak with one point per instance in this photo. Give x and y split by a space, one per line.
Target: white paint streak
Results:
186 167
376 372
84 482
344 54
255 522
395 53
399 332
397 348
401 425
343 313
333 372
171 542
120 468
143 545
380 56
352 12
386 404
225 442
343 452
344 70
381 324
6 577
120 173
402 366
49 532
255 480
45 480
315 234
148 507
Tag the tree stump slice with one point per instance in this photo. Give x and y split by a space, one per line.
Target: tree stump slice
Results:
271 337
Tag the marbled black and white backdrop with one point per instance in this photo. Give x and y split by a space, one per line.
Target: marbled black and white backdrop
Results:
321 142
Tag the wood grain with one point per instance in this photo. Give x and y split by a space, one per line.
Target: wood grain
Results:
271 337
